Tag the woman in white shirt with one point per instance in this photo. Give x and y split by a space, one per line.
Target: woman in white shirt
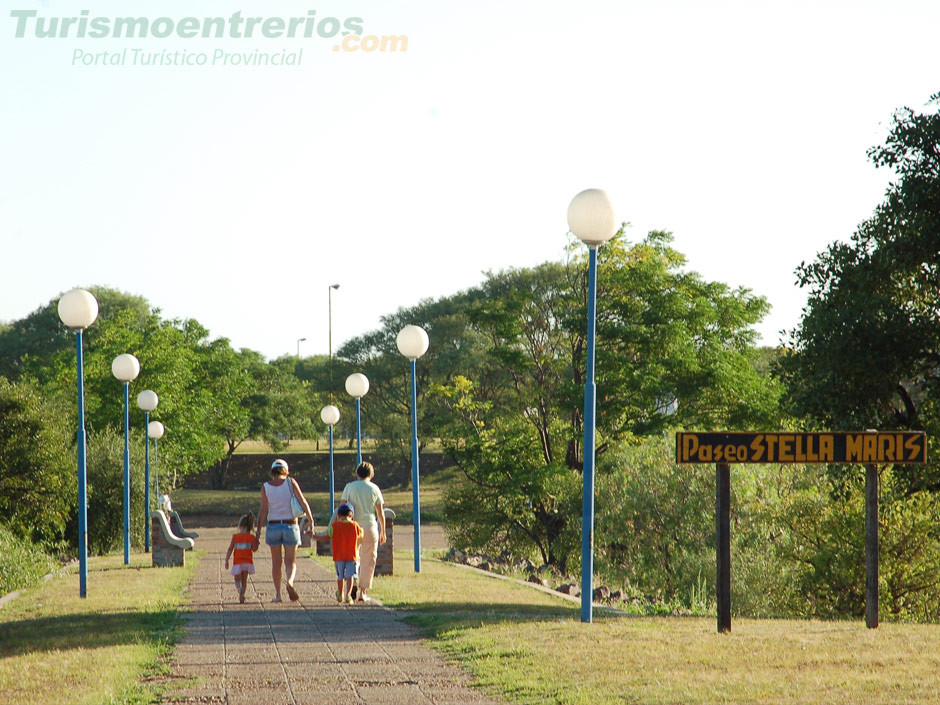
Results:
369 506
283 530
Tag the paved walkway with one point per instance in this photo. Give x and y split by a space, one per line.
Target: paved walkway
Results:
314 651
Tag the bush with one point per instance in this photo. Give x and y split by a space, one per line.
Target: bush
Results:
22 564
655 522
105 467
37 488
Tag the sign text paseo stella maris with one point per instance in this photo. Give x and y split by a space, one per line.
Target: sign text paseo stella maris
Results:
866 447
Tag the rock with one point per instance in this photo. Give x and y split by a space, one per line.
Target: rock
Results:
485 565
455 555
475 561
570 589
617 596
537 580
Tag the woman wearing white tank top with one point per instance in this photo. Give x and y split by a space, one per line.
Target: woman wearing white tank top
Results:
282 532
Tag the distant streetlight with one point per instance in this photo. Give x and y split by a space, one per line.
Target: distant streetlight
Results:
147 400
591 218
329 414
299 341
126 368
329 294
78 309
357 385
413 342
155 430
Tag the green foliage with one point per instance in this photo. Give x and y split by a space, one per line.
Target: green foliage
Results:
867 351
672 349
655 523
105 469
510 498
22 563
37 486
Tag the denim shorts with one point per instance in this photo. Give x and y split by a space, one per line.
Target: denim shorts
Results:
346 569
282 534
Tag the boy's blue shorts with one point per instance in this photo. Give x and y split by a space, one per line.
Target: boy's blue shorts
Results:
346 569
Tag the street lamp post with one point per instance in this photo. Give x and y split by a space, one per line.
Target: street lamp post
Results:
155 430
591 218
299 341
78 309
413 342
147 400
126 368
357 385
329 414
329 294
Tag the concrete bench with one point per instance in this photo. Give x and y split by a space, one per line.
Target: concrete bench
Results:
176 524
168 549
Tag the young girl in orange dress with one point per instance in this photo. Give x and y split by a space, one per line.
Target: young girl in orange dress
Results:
242 546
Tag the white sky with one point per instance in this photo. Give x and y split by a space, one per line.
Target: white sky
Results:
236 195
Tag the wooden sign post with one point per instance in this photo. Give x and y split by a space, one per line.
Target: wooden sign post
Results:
870 448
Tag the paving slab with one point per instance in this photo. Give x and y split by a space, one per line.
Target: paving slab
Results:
311 651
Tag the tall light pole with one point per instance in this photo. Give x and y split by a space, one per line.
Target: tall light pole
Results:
591 218
357 385
329 414
299 341
155 430
147 400
78 309
413 342
329 294
126 368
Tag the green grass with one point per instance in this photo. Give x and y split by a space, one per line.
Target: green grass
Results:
529 647
233 503
56 647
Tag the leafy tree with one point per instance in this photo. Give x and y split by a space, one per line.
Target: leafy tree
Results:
664 336
105 463
37 475
455 348
867 350
655 520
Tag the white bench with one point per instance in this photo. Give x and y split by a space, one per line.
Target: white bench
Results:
168 549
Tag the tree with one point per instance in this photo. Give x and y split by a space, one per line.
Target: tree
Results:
455 348
866 353
672 349
37 491
177 361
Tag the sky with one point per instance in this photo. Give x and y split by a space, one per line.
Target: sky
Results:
236 194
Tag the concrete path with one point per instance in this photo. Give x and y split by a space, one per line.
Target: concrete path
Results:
314 651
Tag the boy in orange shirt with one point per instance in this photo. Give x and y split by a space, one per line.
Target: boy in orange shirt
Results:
346 534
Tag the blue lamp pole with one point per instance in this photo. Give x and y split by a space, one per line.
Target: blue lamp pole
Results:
147 400
413 342
357 385
155 430
78 309
329 414
591 219
126 368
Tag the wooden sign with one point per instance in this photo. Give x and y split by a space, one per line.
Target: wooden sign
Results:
862 448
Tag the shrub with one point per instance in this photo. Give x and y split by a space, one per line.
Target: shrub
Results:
105 463
655 521
22 563
37 488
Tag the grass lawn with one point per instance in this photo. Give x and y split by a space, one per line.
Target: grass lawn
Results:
56 647
234 503
530 647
